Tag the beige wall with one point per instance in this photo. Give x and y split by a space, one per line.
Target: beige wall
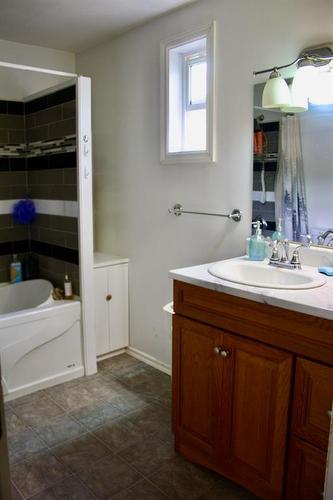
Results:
133 191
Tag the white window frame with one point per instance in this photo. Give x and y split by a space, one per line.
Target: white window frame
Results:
191 60
208 155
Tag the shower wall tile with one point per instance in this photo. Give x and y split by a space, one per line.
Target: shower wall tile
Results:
48 115
69 109
35 134
12 126
54 192
13 184
15 233
54 270
41 163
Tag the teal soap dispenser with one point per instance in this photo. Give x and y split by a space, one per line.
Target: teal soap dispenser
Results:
257 244
278 234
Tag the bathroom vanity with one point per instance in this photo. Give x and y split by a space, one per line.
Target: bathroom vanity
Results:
253 382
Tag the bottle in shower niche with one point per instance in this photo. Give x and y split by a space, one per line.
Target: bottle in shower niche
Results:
15 270
68 289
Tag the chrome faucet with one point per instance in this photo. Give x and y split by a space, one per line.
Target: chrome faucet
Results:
322 238
280 259
283 261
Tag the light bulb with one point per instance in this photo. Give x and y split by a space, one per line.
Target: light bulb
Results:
304 82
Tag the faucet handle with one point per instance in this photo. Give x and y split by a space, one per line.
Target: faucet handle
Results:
275 252
295 259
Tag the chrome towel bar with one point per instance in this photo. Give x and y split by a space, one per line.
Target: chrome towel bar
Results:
177 209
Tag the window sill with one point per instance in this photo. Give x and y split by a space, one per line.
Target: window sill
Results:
176 158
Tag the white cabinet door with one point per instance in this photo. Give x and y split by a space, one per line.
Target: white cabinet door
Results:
118 306
101 310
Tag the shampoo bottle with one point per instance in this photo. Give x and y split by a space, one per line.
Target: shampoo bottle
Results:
257 244
68 292
15 270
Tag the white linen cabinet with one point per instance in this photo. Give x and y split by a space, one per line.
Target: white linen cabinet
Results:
111 303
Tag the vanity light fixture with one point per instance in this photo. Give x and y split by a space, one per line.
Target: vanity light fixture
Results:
276 93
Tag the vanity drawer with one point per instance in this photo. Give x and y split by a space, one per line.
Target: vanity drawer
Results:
312 402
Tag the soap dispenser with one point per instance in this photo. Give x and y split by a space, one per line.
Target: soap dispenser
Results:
257 244
278 234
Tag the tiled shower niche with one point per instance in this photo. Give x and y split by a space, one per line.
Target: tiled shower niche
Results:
38 161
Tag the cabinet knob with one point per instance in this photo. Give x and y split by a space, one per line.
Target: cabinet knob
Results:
329 413
225 353
221 352
108 297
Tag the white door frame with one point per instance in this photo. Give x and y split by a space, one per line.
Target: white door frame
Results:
84 163
84 167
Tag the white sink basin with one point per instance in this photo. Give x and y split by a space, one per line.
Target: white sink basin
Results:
260 274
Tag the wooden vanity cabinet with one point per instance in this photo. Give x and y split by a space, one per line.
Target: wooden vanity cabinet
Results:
313 402
245 401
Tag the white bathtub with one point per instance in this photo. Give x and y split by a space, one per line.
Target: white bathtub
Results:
40 338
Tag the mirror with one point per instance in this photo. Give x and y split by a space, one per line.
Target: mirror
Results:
293 171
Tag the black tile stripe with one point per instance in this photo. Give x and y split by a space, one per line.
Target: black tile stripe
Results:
59 160
55 251
11 108
59 97
11 247
12 164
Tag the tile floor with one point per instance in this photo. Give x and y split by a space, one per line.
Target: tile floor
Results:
107 437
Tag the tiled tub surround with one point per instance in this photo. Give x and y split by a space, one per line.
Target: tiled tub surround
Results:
12 124
107 436
43 168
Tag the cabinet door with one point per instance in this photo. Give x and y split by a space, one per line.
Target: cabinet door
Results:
306 471
101 311
197 400
256 387
118 306
313 402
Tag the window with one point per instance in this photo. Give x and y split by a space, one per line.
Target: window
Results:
187 132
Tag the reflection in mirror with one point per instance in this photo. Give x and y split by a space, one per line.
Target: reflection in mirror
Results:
293 174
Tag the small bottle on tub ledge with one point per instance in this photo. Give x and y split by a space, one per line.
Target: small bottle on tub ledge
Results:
15 270
68 289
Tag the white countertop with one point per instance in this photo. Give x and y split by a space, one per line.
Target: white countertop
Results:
105 259
314 301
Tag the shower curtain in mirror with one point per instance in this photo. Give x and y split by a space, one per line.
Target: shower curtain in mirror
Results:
290 197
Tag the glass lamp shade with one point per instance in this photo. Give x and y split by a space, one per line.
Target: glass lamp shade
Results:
276 92
299 104
304 83
322 94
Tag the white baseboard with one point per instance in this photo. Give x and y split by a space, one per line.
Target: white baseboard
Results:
111 354
150 360
60 378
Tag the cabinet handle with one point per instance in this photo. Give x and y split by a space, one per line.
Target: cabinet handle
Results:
225 353
108 297
329 413
221 352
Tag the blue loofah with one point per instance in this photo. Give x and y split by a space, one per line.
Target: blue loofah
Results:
24 211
